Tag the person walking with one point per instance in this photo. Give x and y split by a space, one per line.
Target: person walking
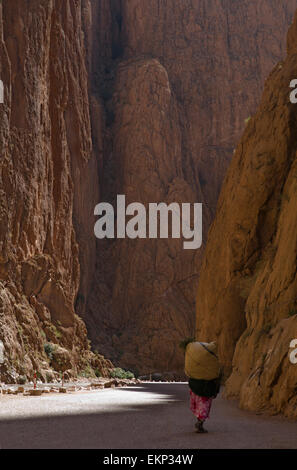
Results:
203 369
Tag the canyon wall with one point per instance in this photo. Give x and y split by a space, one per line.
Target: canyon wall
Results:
107 97
247 295
177 80
48 180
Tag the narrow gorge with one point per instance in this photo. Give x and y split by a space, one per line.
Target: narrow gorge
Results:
149 100
178 80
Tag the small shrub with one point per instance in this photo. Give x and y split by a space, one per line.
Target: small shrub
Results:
49 349
119 373
87 372
57 334
98 373
20 331
48 377
129 375
22 380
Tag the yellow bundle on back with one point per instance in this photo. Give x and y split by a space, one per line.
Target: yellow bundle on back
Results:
201 361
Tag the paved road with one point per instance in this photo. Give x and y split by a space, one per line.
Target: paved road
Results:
146 416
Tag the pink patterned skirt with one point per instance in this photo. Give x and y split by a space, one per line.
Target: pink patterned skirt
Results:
200 406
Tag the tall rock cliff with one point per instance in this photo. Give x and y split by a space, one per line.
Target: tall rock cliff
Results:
46 170
178 78
247 295
107 97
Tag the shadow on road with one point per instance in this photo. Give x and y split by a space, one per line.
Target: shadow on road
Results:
112 418
146 416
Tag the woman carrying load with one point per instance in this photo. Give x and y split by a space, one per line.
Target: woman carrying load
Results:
203 369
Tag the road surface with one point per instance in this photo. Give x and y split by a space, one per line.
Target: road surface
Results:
145 416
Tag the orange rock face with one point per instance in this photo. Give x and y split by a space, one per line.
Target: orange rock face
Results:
180 78
106 97
46 152
248 285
